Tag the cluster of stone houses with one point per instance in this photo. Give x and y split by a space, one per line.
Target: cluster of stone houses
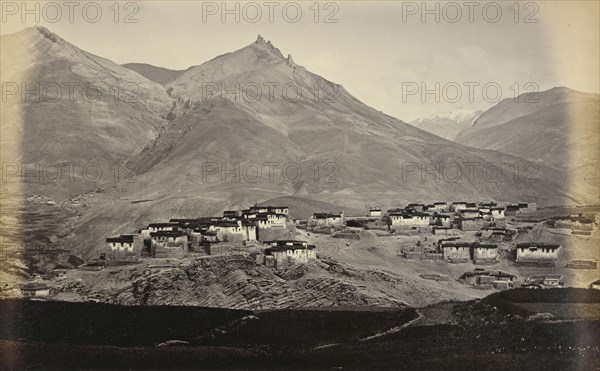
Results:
178 236
482 278
544 281
485 219
577 223
537 253
441 217
327 219
462 252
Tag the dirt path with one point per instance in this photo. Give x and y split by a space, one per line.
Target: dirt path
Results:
392 330
395 329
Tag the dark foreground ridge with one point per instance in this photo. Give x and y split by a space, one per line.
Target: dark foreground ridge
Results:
511 329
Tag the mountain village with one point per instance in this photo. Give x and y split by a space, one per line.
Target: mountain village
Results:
179 194
482 234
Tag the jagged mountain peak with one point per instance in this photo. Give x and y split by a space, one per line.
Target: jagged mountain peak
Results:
258 62
267 45
47 33
290 61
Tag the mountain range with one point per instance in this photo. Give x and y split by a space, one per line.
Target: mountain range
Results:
244 127
544 127
447 125
559 128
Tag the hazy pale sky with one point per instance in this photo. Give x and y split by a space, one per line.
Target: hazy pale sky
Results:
379 51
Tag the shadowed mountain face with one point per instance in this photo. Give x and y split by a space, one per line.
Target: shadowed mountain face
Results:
245 127
525 104
71 118
557 128
71 107
243 110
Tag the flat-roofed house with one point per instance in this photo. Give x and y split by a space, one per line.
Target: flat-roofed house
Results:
32 289
537 253
267 219
250 230
232 213
527 207
227 230
511 210
281 210
546 280
497 212
397 218
497 279
458 206
232 230
258 209
278 220
168 244
485 253
123 247
575 222
156 227
327 219
487 217
442 220
184 224
484 209
554 280
285 252
469 224
499 234
415 207
375 212
409 220
440 207
262 222
202 235
456 252
270 209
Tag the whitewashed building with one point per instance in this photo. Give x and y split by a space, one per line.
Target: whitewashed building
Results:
537 253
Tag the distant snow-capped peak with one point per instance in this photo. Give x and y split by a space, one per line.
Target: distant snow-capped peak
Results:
459 115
